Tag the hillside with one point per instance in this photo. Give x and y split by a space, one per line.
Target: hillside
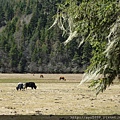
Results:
26 44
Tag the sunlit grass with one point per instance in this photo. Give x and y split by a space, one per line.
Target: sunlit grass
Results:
32 80
54 96
48 78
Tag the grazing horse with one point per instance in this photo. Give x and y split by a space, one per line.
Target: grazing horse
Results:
41 76
20 86
62 78
30 84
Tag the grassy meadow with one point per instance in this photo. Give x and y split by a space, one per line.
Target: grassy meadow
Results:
55 97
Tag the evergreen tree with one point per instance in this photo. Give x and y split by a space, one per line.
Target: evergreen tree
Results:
27 44
98 24
86 54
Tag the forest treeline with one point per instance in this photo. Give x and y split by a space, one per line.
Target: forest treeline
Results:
27 44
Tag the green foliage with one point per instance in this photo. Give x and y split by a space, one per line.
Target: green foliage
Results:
95 22
86 53
27 44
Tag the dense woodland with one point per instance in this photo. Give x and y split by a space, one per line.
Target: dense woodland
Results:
62 36
28 45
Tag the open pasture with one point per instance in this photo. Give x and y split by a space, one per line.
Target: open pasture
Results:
55 97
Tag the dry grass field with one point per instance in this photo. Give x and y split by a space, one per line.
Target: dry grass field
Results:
54 97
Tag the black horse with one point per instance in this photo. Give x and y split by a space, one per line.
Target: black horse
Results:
30 84
20 86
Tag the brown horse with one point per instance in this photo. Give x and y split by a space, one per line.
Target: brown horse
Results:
41 76
62 78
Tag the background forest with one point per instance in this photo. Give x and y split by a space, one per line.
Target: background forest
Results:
27 44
